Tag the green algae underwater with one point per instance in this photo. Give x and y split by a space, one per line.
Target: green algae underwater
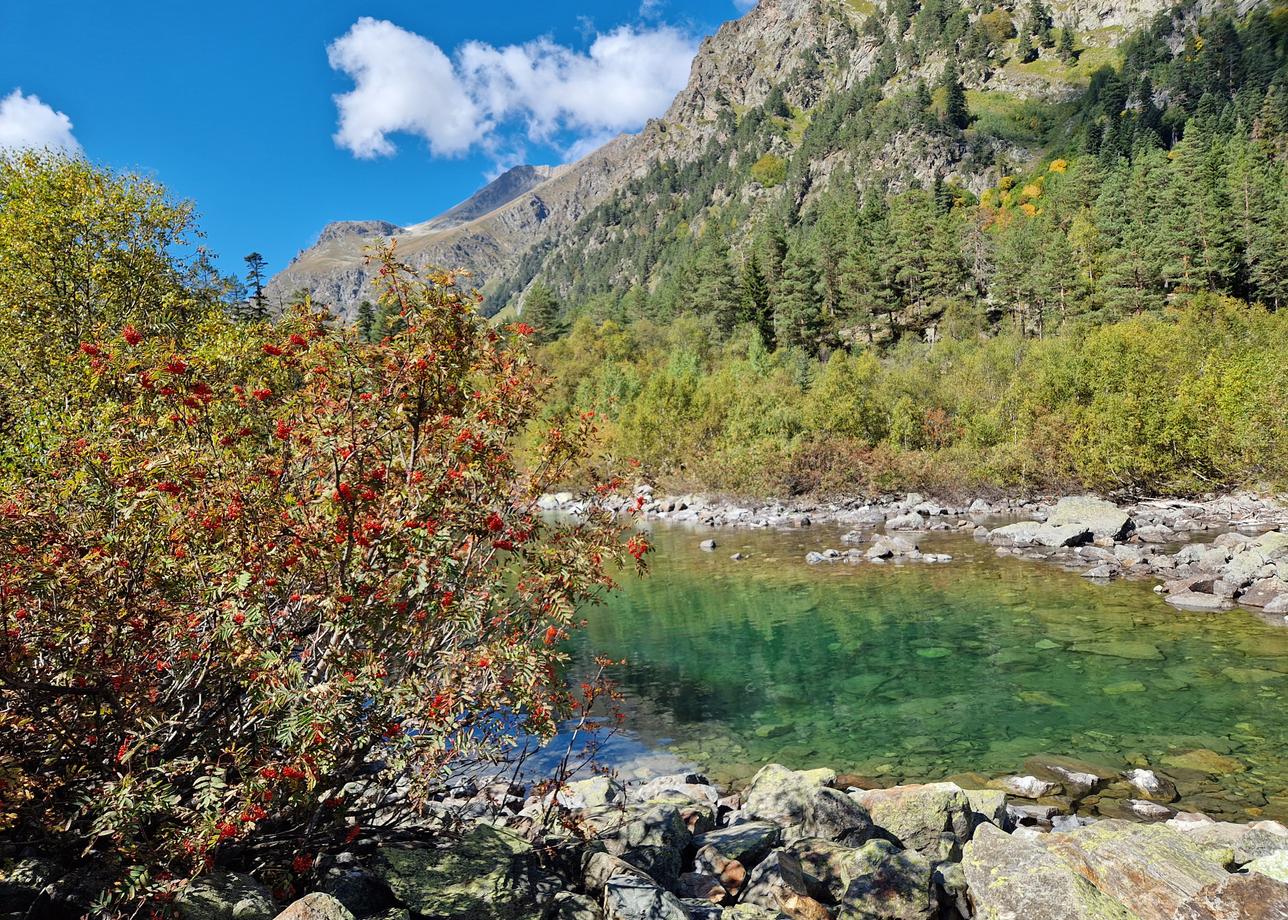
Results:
921 672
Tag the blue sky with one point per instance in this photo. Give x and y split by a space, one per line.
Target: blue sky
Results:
234 104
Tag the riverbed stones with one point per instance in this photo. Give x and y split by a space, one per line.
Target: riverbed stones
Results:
1131 649
1078 777
1149 785
1104 519
1203 760
1194 601
916 815
911 521
1012 878
1028 787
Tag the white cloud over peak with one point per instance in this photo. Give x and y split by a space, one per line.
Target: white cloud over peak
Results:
25 121
492 98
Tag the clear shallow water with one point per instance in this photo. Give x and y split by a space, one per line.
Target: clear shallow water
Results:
920 672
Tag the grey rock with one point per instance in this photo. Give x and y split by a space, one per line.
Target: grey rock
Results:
911 521
1029 533
316 906
1012 878
568 905
1104 519
900 887
778 884
629 897
747 843
1192 600
915 815
1028 787
708 545
225 896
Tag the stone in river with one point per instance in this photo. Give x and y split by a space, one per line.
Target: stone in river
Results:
1149 811
1010 878
708 545
1193 600
1252 675
1150 785
1104 519
1205 761
1028 787
1131 649
934 652
1123 686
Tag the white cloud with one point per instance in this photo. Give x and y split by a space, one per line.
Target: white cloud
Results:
25 121
489 97
744 5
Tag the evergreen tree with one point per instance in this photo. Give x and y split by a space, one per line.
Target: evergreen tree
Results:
256 309
798 318
1039 23
1065 47
1024 50
366 320
754 300
541 311
956 111
715 290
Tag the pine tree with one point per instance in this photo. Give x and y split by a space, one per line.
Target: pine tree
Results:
754 300
956 111
1024 50
366 320
256 309
1065 48
541 311
715 291
798 316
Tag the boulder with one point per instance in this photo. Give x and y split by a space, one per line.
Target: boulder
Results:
1078 777
1193 600
1012 878
1238 897
687 784
225 896
749 842
567 905
595 792
1265 591
730 873
916 815
1275 866
1149 785
1104 519
888 547
910 521
782 796
1031 533
835 816
1245 842
1027 787
487 874
1151 869
629 897
899 887
316 906
633 826
988 805
662 864
1272 545
598 866
829 867
777 883
708 545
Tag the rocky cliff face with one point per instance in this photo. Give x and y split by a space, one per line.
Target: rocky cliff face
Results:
532 208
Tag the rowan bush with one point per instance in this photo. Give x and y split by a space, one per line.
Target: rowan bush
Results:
256 582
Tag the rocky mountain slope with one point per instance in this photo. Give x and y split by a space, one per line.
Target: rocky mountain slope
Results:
797 55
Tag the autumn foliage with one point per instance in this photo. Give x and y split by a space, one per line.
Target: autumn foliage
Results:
254 581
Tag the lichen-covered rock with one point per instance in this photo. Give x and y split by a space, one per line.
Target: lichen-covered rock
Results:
829 867
316 906
1031 533
1149 785
1151 869
1028 787
1275 865
1238 897
225 896
988 805
1012 878
778 883
900 887
1245 842
487 874
1078 777
622 829
835 816
783 796
916 815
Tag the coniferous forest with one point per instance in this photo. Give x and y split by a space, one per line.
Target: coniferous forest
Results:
1106 312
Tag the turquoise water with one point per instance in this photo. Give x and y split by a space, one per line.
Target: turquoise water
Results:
919 672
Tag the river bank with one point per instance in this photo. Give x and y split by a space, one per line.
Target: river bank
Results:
1209 555
789 845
